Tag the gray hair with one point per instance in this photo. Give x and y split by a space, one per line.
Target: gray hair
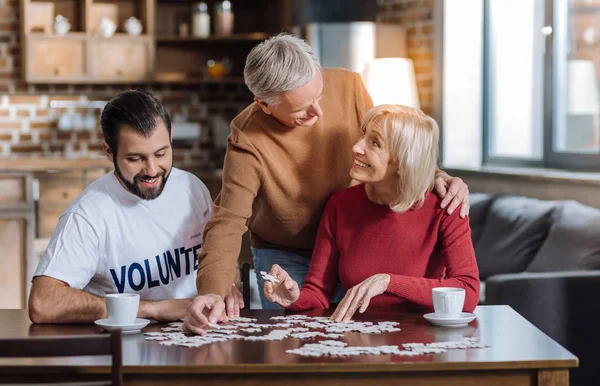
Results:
279 64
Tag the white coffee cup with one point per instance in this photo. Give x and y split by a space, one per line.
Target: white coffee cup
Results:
448 302
122 308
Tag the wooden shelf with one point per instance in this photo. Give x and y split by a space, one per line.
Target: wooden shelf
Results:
156 56
83 36
122 37
68 36
251 37
226 80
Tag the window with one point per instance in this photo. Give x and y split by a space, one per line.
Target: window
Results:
539 79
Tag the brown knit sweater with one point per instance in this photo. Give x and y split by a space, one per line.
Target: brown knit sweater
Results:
277 180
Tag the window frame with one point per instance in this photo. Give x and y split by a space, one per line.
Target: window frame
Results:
555 45
556 49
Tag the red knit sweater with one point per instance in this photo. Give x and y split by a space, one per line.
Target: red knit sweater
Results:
420 249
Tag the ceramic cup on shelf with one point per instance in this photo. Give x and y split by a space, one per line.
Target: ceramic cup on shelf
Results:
107 27
122 308
61 25
133 26
448 302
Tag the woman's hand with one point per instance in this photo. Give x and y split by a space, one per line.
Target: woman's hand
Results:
283 293
360 296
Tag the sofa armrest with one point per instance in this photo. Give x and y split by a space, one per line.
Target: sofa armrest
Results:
541 289
564 305
550 300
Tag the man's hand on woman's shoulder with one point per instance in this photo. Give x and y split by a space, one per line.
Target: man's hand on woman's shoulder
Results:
453 191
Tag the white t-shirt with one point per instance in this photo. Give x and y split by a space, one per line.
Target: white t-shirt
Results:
111 241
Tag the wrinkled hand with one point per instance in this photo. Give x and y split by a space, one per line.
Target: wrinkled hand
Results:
453 191
202 310
283 293
234 302
360 296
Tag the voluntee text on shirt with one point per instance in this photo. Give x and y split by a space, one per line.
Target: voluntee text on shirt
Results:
172 264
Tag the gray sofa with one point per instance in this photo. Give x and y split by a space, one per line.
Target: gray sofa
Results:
543 259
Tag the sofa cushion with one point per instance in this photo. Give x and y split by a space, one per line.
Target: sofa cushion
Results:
515 228
573 242
480 205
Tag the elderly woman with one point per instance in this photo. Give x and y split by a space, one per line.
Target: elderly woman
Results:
386 239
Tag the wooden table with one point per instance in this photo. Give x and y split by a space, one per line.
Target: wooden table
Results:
519 354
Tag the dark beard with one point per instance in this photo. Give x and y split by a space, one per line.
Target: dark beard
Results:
134 188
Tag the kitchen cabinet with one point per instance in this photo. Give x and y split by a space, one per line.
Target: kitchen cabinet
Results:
57 190
83 55
56 58
16 238
118 55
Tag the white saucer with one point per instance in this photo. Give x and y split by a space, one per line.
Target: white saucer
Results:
125 328
464 319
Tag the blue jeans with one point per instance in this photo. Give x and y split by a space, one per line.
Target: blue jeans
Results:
295 265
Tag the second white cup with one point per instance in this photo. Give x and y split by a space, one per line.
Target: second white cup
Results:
448 302
122 308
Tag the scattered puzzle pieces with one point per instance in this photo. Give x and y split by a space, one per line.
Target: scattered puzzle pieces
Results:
340 349
305 327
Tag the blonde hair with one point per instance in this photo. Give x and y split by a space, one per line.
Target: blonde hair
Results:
412 140
279 64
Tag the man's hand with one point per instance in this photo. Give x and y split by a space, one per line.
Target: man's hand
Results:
453 191
234 302
203 310
360 296
164 310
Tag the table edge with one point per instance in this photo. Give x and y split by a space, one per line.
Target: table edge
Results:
400 367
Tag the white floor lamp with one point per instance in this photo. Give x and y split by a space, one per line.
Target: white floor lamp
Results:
391 80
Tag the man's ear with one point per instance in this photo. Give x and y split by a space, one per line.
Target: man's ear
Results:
108 151
263 105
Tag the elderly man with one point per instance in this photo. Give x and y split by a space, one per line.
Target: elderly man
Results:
286 154
137 230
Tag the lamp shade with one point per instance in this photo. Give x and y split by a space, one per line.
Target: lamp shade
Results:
391 80
582 88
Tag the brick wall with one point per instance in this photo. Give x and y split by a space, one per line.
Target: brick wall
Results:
417 17
29 126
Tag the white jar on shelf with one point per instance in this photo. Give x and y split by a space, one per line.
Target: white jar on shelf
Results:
200 20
